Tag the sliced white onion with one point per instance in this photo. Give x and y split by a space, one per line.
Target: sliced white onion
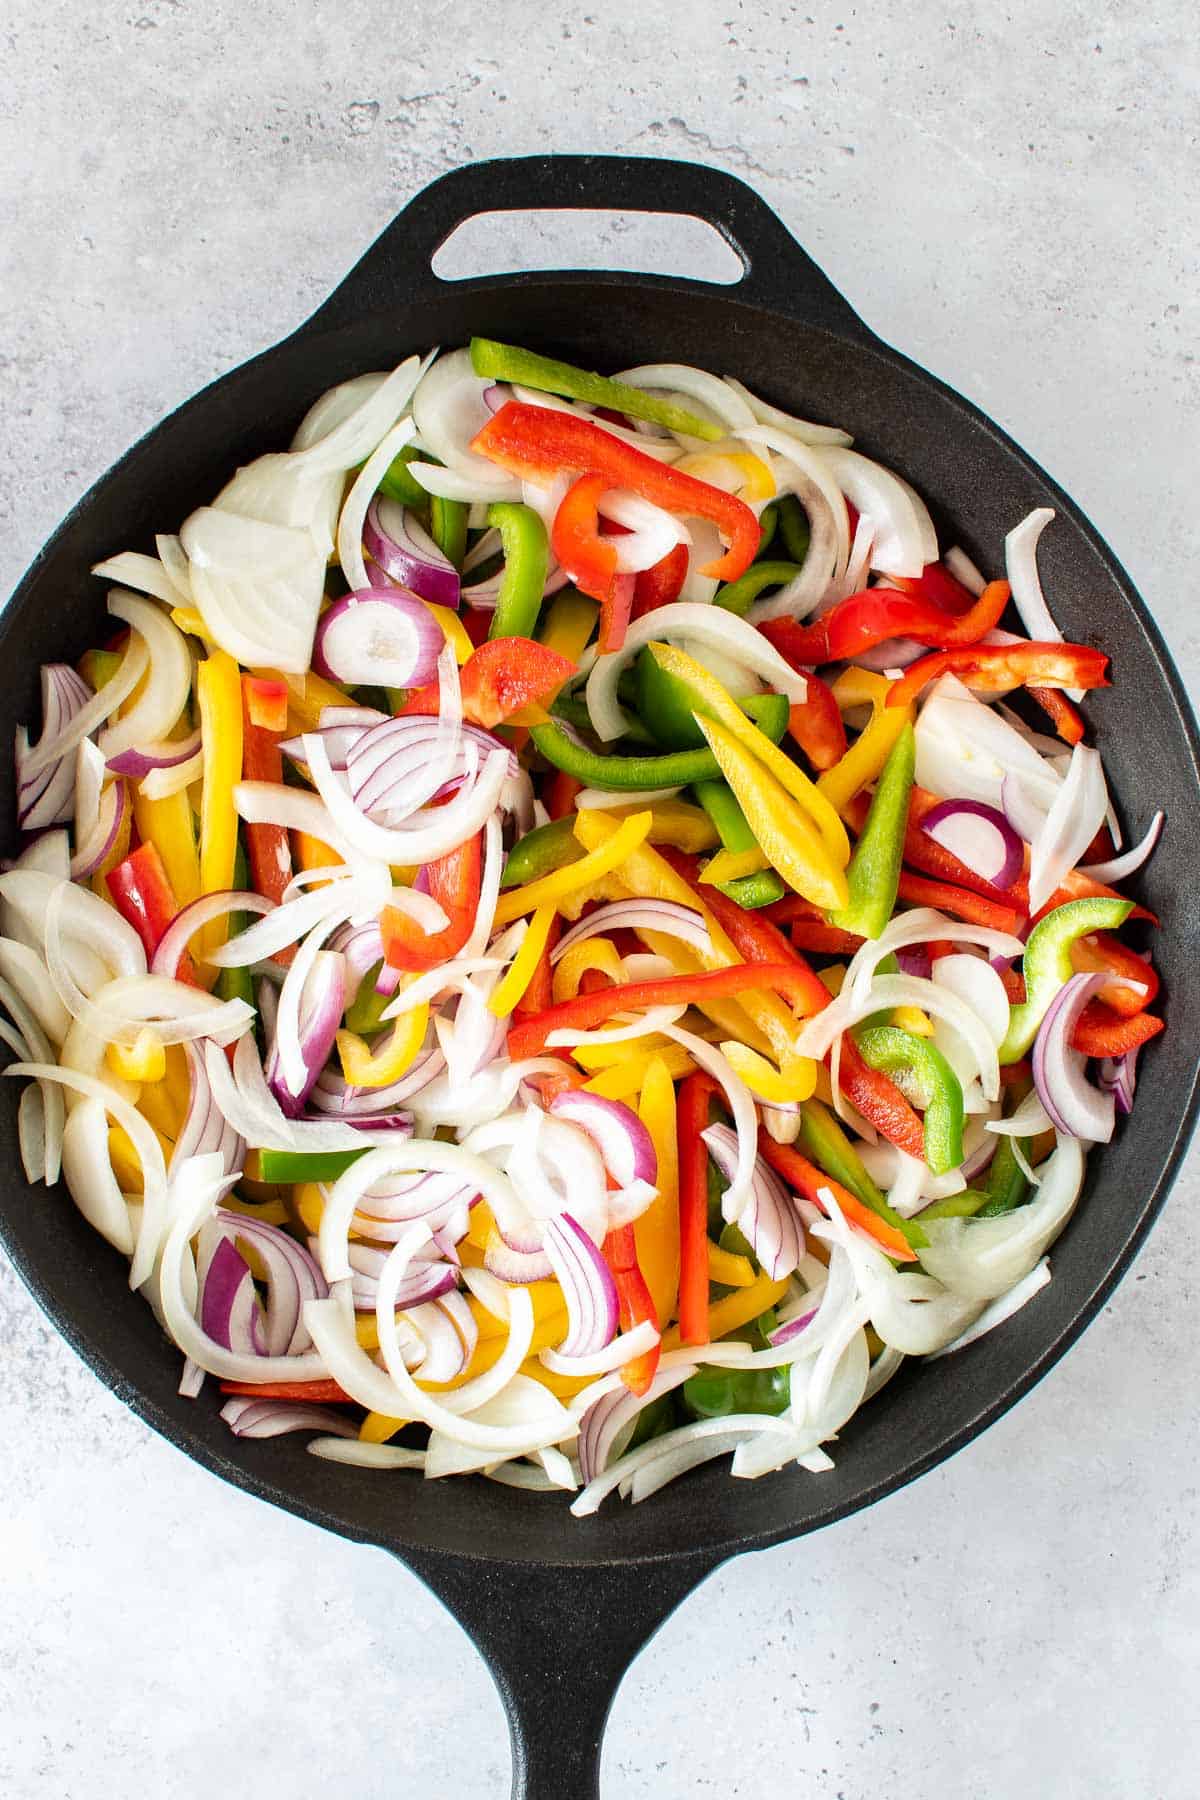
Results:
257 586
804 429
1074 819
818 1033
1121 866
980 1259
716 396
999 1310
449 410
904 536
145 573
965 750
93 713
87 1171
354 509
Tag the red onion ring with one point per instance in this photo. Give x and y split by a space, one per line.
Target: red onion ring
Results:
385 636
980 836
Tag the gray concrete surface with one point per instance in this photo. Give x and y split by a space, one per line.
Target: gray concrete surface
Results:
1011 195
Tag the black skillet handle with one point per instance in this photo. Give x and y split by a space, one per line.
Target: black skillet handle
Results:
557 1640
779 275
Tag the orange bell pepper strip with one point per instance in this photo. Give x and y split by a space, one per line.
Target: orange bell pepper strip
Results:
998 668
1063 713
695 1093
1104 954
268 848
864 620
815 723
587 1011
636 1302
1099 1031
266 704
807 1179
320 1392
454 882
534 442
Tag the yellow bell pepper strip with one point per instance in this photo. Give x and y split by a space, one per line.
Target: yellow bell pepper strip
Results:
594 1057
677 823
551 888
453 630
308 696
731 865
219 695
520 972
143 1060
188 620
649 875
269 1212
116 855
785 832
599 954
780 1087
569 624
313 853
546 1298
911 1018
712 702
364 1068
377 1428
728 1269
165 1103
168 825
865 758
874 873
623 1081
734 1310
564 1387
656 1233
737 471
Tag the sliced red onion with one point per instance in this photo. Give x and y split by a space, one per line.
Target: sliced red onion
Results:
1128 864
483 595
383 636
981 838
106 829
439 1198
334 1097
979 1158
46 796
167 754
1074 1106
229 1309
424 1279
362 947
250 1418
617 1132
292 1274
667 916
184 926
496 395
1118 1076
792 1328
403 549
517 1266
607 1425
321 1003
893 653
769 1221
587 1284
913 959
205 1127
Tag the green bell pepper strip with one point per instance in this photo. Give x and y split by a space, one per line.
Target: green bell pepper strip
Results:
629 774
398 484
448 527
873 876
311 1165
540 852
236 984
793 527
751 891
967 1204
507 362
768 523
717 799
824 1142
364 1013
526 559
652 1421
573 711
739 596
1007 1184
1047 963
926 1080
667 704
714 1393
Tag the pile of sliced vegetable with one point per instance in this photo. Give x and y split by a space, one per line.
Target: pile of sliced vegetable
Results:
541 937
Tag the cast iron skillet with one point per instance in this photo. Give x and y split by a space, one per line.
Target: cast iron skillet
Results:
559 1608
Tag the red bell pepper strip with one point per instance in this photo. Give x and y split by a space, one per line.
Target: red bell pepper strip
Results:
266 704
587 1011
637 1304
864 620
534 442
1101 1032
559 794
936 584
453 881
820 939
918 890
755 938
880 1101
939 947
807 1179
591 559
145 898
1018 1074
268 847
1066 716
815 723
660 584
501 677
1104 954
320 1391
998 668
695 1092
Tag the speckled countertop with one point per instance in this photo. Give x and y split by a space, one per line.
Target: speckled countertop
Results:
1015 203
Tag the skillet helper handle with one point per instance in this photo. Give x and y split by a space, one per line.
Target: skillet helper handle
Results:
557 1640
779 275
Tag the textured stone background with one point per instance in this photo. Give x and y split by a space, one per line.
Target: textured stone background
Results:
1015 203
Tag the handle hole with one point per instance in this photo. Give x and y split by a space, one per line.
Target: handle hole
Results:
643 243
